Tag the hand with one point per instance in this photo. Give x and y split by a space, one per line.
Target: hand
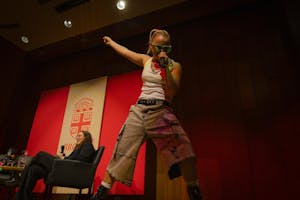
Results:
163 59
61 155
107 40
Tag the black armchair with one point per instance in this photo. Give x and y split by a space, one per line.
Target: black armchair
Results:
73 174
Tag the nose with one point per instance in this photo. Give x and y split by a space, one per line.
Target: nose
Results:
162 53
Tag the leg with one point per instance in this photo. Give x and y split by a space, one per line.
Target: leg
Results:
43 159
33 173
108 179
175 147
122 163
21 189
189 173
106 185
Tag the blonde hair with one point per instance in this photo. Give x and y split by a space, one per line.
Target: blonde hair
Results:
155 32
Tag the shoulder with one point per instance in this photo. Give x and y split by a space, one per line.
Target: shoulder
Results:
173 65
87 145
177 64
146 59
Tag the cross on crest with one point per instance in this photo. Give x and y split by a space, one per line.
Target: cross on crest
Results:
81 116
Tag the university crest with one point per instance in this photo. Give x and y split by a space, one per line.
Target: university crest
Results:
81 116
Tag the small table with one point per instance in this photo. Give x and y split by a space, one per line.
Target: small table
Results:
11 168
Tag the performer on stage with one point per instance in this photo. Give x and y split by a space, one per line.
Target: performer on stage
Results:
152 118
41 164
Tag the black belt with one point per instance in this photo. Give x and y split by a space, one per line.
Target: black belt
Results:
149 102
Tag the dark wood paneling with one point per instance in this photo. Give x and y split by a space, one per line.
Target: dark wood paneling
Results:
12 69
185 11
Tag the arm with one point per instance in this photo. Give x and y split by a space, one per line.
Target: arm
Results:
174 75
137 58
83 153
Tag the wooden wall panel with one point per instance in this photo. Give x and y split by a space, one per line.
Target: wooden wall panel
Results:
12 67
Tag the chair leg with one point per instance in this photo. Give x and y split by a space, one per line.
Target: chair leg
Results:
79 195
48 192
45 193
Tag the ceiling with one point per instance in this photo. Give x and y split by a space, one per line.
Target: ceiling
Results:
49 38
43 25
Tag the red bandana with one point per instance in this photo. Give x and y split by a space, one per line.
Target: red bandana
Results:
162 70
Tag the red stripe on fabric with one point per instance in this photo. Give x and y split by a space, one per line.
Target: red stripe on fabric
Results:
47 124
46 127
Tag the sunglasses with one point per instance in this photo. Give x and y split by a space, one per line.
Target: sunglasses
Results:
159 48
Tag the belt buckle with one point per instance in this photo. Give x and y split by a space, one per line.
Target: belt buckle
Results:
148 101
151 102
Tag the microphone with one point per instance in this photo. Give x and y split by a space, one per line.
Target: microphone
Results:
62 149
163 62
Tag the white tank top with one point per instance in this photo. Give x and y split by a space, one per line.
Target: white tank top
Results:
153 81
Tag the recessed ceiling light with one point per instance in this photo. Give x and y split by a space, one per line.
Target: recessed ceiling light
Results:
25 39
68 23
121 5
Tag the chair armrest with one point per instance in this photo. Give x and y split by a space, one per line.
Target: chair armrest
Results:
63 164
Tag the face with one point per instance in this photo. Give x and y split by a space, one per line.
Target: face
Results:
160 47
79 137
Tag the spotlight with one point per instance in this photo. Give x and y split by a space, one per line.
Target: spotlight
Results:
25 39
121 5
68 23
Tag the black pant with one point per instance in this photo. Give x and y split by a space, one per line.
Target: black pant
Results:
39 168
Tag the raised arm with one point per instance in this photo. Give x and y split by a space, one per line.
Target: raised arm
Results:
137 58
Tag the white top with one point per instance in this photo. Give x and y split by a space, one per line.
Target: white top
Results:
153 83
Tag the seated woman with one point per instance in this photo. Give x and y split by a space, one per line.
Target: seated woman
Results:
41 164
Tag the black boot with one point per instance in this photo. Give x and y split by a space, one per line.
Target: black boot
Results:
100 194
194 193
